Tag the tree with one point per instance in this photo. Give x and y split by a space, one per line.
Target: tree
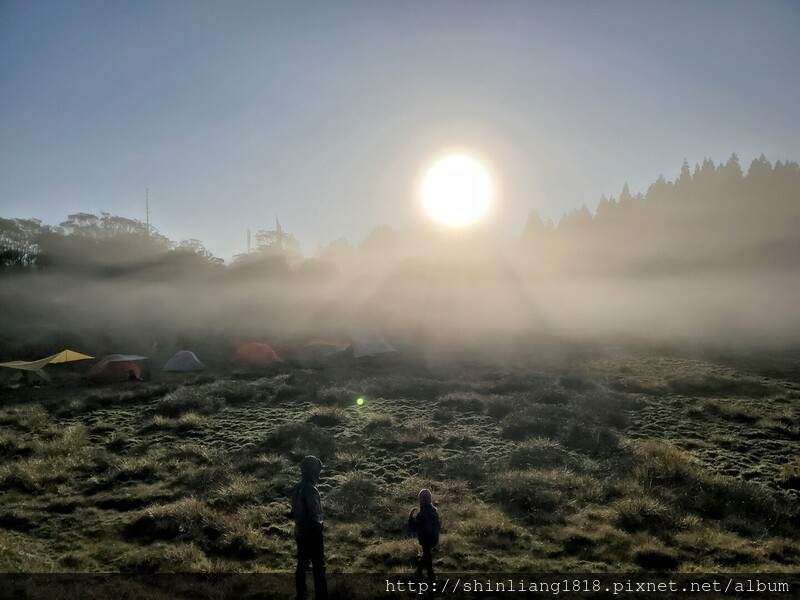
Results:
658 190
534 227
685 178
760 168
577 219
732 169
195 246
625 195
338 251
19 242
84 224
606 208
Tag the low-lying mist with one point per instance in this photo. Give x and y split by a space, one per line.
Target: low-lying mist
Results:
434 308
711 260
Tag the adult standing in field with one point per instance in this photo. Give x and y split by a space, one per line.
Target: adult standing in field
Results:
307 515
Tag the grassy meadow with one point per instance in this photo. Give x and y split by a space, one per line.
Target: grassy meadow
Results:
612 462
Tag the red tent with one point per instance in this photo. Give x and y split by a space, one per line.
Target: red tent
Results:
120 367
255 354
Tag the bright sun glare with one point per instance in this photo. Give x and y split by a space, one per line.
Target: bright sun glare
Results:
456 190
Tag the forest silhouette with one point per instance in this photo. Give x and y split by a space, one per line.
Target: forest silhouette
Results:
710 258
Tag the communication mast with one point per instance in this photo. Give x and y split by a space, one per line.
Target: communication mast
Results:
147 208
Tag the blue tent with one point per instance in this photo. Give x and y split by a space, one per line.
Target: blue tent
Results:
184 360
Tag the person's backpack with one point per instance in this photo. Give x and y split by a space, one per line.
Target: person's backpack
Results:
427 526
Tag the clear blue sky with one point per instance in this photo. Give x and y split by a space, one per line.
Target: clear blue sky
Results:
324 113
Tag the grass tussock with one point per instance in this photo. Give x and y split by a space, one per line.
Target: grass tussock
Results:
189 519
379 422
401 386
545 496
132 395
354 495
200 480
54 454
539 453
591 439
190 421
711 385
463 401
23 554
528 423
491 528
410 434
551 395
790 475
643 513
233 393
498 407
189 400
127 469
13 445
300 439
26 419
431 462
575 383
468 467
290 387
163 557
264 466
327 416
671 474
337 395
238 490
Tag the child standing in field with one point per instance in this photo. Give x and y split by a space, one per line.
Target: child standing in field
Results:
426 525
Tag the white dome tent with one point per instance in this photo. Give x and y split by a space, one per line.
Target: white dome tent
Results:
184 360
370 344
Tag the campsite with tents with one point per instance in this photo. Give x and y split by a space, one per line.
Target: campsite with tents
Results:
565 422
513 286
561 428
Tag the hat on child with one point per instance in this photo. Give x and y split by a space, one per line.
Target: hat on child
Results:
425 498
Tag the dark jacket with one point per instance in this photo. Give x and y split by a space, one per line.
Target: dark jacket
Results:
306 509
426 525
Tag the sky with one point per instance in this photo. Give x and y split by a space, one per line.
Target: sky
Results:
327 113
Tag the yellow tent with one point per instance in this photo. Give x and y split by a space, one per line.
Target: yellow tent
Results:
37 365
69 356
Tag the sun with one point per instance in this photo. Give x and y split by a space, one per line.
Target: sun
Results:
457 190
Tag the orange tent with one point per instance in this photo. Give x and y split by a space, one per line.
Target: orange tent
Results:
255 354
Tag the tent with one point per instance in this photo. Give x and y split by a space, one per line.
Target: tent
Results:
120 367
255 354
19 378
184 360
370 344
37 366
68 356
322 347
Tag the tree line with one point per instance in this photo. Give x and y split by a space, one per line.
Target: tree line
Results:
709 216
